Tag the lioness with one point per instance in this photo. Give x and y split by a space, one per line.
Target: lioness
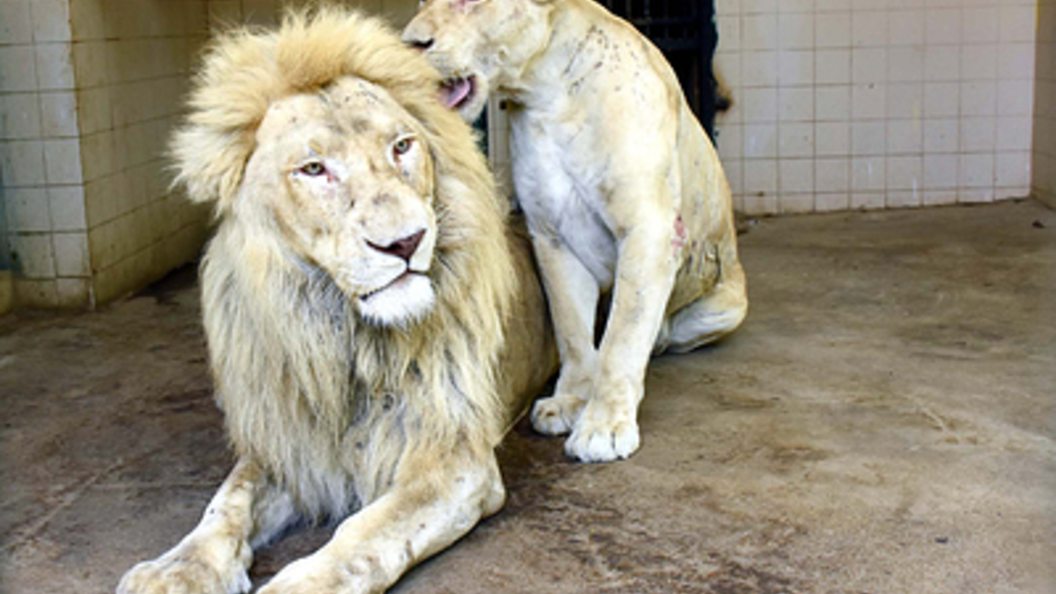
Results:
373 327
622 189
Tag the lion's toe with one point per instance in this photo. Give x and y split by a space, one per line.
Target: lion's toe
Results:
556 415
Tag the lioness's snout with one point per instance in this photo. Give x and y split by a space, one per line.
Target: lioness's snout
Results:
417 34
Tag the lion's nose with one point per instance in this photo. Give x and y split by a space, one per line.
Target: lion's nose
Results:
401 248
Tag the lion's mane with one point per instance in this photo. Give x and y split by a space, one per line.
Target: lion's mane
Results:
297 374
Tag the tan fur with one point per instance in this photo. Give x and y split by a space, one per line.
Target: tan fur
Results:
623 192
330 412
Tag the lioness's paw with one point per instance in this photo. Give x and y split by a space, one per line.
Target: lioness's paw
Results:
175 574
602 437
556 415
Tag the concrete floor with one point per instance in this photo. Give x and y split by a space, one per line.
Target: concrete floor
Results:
884 422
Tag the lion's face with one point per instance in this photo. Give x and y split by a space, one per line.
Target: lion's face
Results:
346 177
478 45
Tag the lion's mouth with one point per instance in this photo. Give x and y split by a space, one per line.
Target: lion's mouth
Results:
398 283
457 91
400 302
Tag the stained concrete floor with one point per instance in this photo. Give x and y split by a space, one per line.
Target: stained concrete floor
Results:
884 422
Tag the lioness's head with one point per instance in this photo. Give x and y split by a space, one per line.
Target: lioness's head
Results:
348 179
324 144
478 45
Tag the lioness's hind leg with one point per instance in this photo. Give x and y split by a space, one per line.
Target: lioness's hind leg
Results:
708 319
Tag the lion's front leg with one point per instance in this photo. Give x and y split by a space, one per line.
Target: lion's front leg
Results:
436 505
215 556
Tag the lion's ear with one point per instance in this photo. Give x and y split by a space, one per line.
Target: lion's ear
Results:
237 81
209 165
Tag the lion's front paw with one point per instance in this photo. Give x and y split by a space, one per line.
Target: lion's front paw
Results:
556 415
603 435
177 574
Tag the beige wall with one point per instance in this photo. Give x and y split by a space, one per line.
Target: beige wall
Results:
1044 156
132 59
876 103
7 292
266 12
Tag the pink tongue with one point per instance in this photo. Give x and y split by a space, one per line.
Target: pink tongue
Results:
454 92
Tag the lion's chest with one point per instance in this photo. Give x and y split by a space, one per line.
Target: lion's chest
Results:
561 194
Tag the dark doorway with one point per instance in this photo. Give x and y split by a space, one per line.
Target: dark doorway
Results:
684 30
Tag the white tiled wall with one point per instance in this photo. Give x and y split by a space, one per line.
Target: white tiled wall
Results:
844 104
41 180
1044 156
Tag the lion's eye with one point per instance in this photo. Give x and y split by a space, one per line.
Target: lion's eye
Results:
402 146
314 168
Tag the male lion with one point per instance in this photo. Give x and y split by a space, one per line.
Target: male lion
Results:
373 329
621 187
